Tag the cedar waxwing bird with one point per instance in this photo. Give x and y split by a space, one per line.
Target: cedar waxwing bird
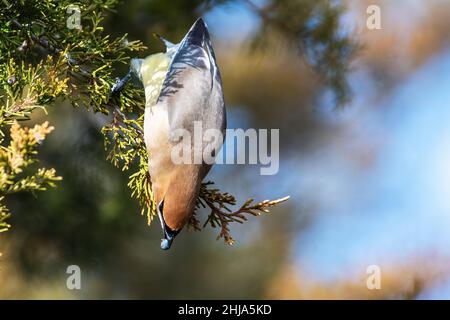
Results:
182 86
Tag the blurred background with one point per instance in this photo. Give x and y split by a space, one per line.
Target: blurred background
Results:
364 154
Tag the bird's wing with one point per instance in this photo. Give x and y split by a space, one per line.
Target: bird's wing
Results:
192 89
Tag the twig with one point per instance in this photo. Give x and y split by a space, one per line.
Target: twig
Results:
221 216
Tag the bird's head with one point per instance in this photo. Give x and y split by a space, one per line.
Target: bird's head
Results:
177 205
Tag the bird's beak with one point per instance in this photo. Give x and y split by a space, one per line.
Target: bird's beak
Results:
169 234
166 243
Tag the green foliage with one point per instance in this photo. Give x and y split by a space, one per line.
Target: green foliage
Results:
43 60
16 160
23 88
125 141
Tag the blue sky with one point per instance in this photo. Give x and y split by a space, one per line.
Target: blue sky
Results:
401 206
232 21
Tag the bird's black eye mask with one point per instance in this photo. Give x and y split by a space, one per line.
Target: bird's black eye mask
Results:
168 233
